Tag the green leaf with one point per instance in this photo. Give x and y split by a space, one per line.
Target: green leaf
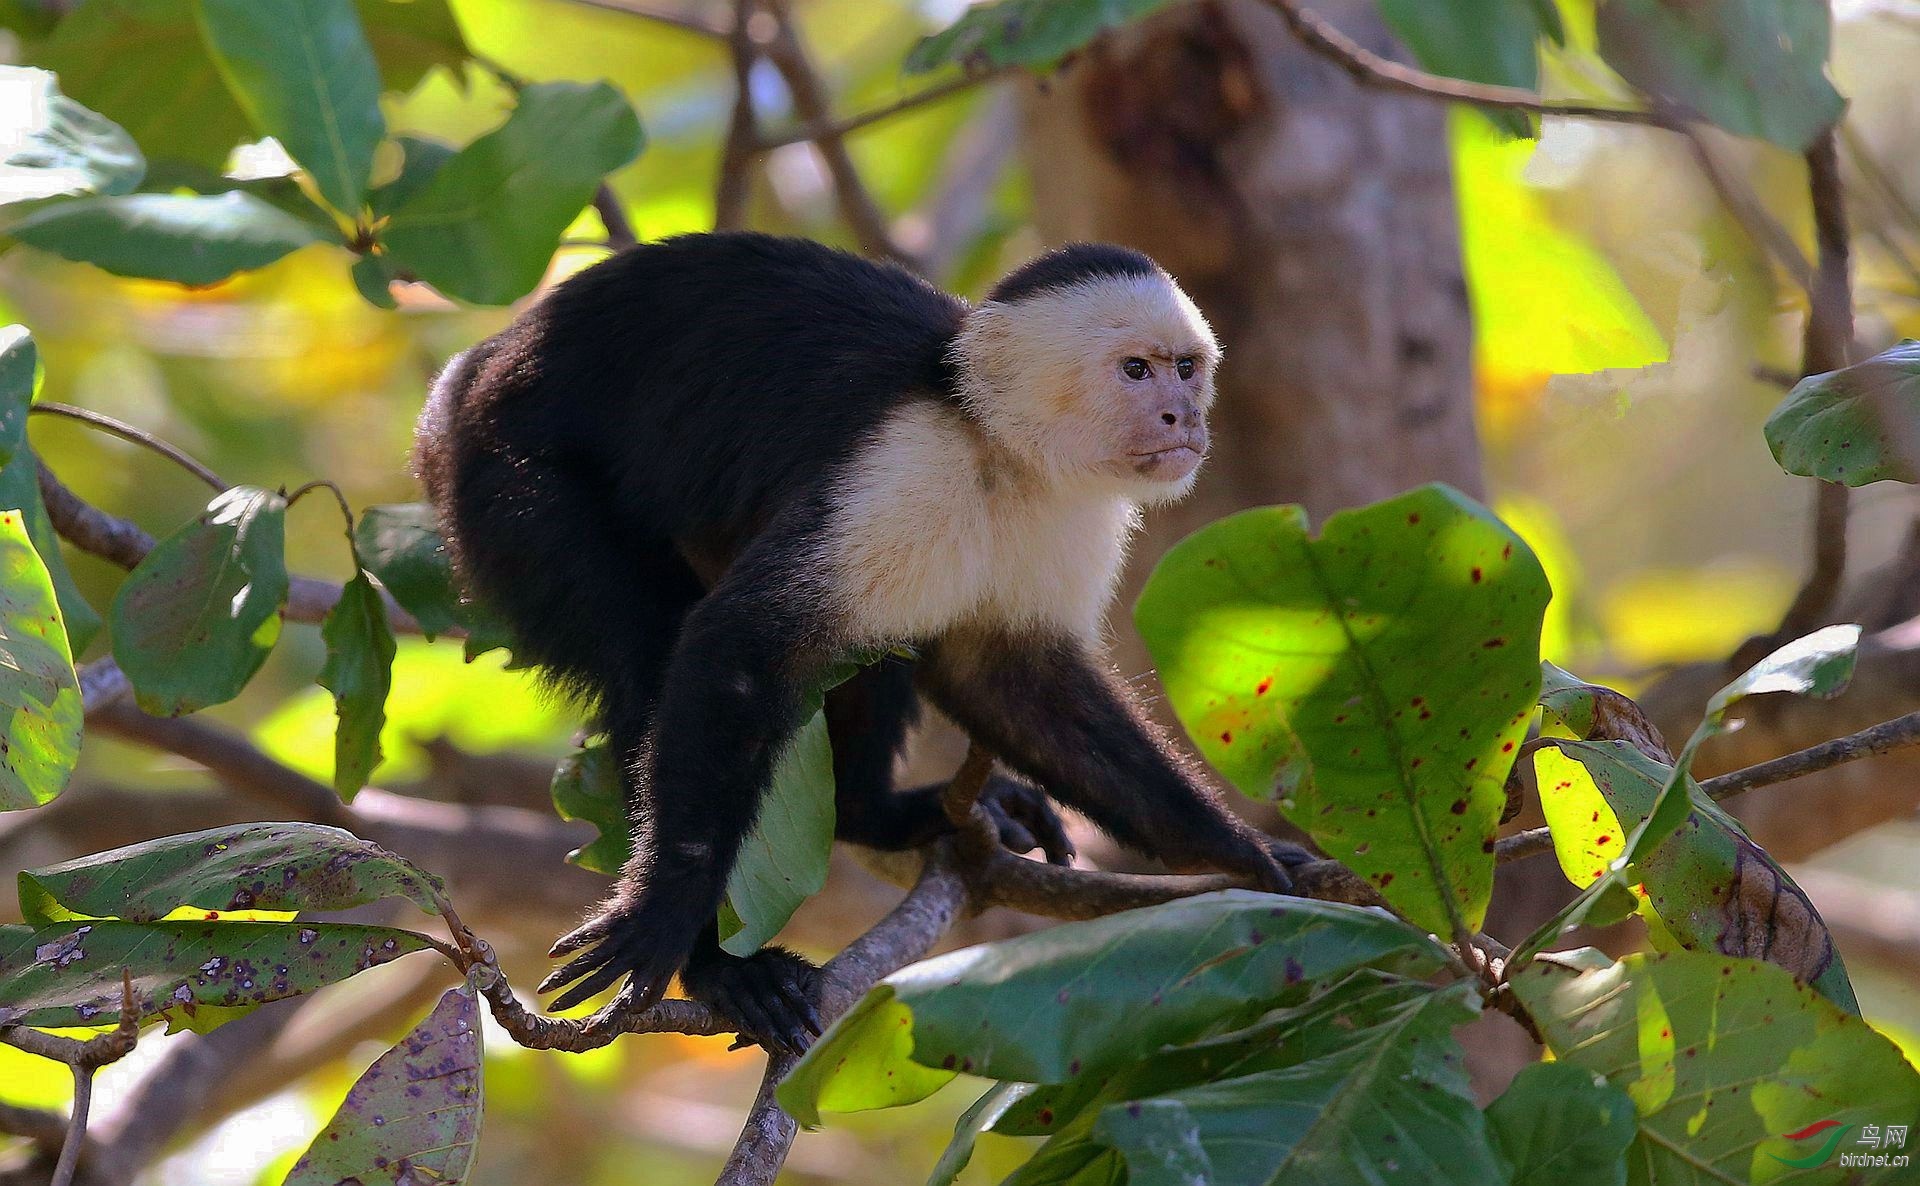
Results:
401 544
19 359
784 859
414 1115
53 146
586 786
1856 425
484 228
142 64
198 616
70 974
359 673
1707 887
1376 680
244 867
1026 1009
304 74
1755 67
1391 1103
1592 711
1024 32
186 238
1819 665
966 1131
420 162
1285 1037
39 692
411 37
1721 1058
1560 1125
1492 41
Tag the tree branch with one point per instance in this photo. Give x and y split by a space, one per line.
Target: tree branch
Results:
734 186
813 106
613 216
1885 737
1370 69
1747 210
119 541
854 123
83 1058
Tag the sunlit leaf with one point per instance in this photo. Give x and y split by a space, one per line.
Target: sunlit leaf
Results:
246 867
1560 1125
966 1131
484 227
39 692
1025 32
1376 679
185 238
304 74
414 1116
359 673
70 973
198 616
52 146
1755 67
1723 1059
1856 425
1708 887
784 859
1025 1008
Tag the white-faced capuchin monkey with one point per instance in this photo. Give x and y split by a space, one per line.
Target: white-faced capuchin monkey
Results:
698 474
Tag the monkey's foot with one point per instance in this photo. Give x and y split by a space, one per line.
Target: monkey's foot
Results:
770 995
1025 819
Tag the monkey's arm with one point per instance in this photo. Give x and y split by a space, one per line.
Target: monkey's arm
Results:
1051 711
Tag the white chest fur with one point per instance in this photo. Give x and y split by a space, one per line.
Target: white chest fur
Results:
927 534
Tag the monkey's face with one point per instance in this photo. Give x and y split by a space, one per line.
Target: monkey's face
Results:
1106 381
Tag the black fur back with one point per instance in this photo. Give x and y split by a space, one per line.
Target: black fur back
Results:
1069 265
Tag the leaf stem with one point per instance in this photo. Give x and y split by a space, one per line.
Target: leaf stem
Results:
138 436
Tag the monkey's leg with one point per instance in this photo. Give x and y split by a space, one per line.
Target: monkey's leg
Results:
867 719
730 700
1055 714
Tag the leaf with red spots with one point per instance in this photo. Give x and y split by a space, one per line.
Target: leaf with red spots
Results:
198 616
414 1116
1722 1058
1856 425
1026 1008
1707 887
245 867
1366 679
1593 712
70 974
39 693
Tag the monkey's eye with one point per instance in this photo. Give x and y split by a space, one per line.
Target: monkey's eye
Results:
1136 369
1184 365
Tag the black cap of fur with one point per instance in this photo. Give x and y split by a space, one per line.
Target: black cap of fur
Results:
1073 264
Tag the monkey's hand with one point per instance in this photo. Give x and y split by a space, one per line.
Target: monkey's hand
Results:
1268 861
771 995
1025 819
646 939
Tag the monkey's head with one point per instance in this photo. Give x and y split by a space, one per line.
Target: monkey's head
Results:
1090 364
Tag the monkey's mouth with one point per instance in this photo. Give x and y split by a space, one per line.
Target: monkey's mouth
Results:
1167 465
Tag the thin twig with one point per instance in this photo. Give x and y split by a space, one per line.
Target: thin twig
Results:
1747 210
682 18
339 496
734 184
76 1140
811 104
1826 345
1370 69
854 123
1885 737
613 216
137 436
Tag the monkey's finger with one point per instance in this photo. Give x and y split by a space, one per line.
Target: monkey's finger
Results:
574 969
1014 836
595 984
577 938
1291 855
1052 835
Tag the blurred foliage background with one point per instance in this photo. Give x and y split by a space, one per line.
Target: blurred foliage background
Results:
1627 332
